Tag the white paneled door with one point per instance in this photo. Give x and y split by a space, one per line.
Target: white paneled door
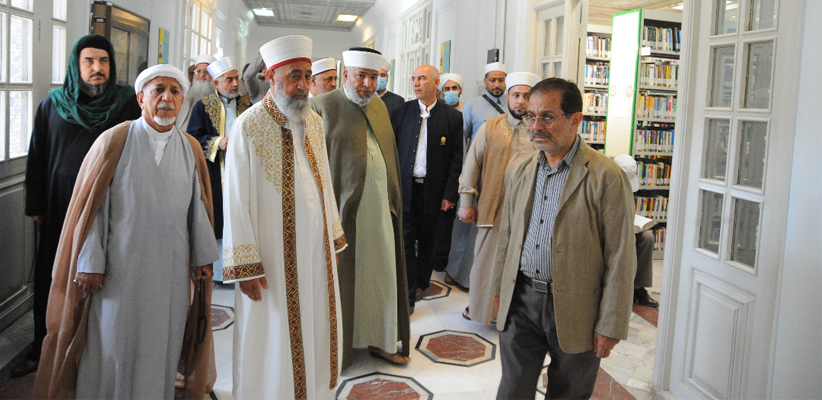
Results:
732 198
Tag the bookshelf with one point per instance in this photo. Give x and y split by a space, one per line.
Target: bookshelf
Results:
642 103
595 85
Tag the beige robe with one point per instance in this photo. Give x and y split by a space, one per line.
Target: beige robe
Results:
346 126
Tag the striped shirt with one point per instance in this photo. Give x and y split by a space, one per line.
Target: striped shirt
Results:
536 260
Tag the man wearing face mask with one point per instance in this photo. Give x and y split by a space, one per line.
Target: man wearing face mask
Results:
450 90
392 100
500 143
323 76
210 123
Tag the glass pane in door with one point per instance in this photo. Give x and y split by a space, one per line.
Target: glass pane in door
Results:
558 69
548 50
120 41
763 15
746 231
20 49
758 77
727 16
752 145
715 151
2 124
19 122
547 71
560 30
722 80
710 221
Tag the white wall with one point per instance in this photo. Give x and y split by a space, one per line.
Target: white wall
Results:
326 43
798 353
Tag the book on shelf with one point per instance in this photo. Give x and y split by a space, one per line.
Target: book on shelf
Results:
596 73
654 207
595 102
659 72
656 106
642 224
659 239
598 46
593 131
654 141
661 39
653 173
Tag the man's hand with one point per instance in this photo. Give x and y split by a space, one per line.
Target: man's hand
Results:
466 214
204 272
603 345
447 205
37 219
251 288
88 283
223 143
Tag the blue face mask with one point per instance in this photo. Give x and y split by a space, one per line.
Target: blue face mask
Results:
452 97
381 83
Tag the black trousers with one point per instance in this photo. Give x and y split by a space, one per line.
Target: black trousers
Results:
418 235
529 334
48 239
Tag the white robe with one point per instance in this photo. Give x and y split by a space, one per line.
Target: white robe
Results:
151 219
254 192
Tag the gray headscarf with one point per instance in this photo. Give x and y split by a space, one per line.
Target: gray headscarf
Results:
256 88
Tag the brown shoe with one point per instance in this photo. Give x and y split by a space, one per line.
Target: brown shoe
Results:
25 367
395 358
642 298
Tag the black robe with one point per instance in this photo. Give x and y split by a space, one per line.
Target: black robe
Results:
56 151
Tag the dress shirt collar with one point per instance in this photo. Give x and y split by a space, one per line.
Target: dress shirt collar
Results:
153 134
226 100
569 157
426 111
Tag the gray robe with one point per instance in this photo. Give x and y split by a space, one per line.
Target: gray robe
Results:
152 218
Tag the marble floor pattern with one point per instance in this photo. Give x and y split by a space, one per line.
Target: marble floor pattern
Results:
452 358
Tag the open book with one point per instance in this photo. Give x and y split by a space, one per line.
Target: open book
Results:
642 224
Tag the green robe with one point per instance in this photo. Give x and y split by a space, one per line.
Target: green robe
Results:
346 126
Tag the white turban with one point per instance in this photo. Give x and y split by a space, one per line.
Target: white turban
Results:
204 58
322 65
387 66
221 66
363 59
520 78
165 70
285 50
450 76
496 66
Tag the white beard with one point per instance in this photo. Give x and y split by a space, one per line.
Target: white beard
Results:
352 95
294 109
164 121
199 90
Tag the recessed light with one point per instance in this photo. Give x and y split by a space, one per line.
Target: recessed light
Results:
263 12
347 17
679 6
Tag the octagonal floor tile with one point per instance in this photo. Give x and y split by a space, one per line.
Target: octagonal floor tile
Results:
222 317
456 348
379 386
436 290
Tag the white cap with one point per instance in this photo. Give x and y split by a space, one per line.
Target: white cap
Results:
387 66
496 66
520 78
221 66
155 71
286 49
204 58
628 164
450 76
363 59
322 65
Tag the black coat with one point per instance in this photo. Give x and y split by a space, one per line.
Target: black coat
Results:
392 101
443 153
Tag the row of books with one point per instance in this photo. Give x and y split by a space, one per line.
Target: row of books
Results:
593 102
596 73
655 106
593 131
663 39
659 239
653 173
659 72
652 207
598 46
654 140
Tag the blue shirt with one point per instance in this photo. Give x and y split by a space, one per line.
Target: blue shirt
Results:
477 110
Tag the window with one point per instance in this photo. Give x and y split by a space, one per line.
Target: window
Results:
58 42
415 49
198 30
16 79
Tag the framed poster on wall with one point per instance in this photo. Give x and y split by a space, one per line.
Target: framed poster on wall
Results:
445 56
163 48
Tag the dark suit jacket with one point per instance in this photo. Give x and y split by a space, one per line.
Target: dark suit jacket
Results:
392 101
443 153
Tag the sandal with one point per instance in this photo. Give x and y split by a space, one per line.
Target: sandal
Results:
448 279
395 358
466 315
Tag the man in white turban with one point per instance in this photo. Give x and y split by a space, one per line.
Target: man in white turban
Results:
201 86
362 151
323 76
281 233
137 235
450 90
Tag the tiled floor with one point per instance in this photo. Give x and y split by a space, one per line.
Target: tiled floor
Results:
452 359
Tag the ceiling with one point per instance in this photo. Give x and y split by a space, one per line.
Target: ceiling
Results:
322 14
601 12
310 14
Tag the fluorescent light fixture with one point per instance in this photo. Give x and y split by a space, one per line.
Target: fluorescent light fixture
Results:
263 12
679 6
347 17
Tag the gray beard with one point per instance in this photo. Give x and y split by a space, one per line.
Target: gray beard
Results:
164 121
200 89
294 109
352 95
229 95
94 90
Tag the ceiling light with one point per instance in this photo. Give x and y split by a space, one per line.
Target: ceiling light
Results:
263 12
679 6
347 17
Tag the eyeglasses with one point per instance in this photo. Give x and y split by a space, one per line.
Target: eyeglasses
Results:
531 119
198 71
